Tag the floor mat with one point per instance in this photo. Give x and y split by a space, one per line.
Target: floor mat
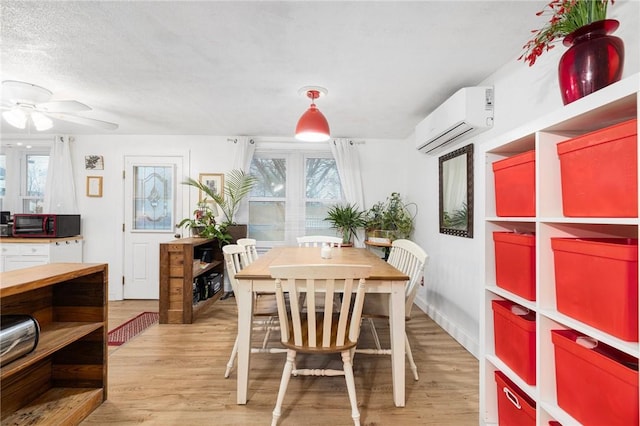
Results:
130 329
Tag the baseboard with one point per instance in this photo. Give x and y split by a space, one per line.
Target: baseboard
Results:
450 327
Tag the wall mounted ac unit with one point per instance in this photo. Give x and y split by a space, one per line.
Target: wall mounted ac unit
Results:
468 112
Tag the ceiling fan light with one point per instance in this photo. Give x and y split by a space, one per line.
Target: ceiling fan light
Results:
312 126
15 117
41 121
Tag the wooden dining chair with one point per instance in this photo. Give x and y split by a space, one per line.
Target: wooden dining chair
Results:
325 332
410 258
319 241
265 310
250 246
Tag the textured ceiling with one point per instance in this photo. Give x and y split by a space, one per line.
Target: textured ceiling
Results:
235 67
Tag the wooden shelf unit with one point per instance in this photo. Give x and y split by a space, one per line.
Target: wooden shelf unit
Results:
613 104
179 266
65 378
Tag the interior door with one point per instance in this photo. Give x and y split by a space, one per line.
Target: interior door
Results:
152 196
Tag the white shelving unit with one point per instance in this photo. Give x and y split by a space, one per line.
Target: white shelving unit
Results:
616 103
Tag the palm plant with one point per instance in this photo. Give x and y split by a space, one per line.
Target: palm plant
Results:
237 185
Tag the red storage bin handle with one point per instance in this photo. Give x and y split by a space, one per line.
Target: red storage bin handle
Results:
511 397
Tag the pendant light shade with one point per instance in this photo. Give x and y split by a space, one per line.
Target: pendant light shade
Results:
313 126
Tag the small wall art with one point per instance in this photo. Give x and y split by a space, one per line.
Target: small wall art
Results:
93 162
214 181
94 186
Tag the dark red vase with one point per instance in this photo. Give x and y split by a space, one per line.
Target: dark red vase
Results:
594 60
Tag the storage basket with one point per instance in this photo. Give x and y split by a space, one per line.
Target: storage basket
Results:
515 185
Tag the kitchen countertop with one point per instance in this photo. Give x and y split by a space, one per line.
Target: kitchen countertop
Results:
7 240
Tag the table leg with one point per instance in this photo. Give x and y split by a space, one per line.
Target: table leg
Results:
397 331
244 297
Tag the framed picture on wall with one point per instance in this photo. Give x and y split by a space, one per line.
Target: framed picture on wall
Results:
94 186
93 162
214 181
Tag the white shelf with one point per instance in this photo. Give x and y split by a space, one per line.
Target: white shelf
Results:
614 104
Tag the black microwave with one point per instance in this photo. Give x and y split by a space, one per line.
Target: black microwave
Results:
46 225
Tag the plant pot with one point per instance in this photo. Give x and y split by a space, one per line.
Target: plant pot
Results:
237 232
594 60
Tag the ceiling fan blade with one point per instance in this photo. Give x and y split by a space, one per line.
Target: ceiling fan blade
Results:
18 91
63 106
83 120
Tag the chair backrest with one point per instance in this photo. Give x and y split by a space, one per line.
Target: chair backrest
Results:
318 241
235 258
410 258
250 246
327 331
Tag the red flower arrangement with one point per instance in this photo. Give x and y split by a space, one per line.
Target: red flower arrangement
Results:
566 17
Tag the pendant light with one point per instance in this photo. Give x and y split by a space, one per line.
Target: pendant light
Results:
312 126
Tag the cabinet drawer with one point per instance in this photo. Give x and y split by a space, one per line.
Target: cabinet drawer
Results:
34 249
10 249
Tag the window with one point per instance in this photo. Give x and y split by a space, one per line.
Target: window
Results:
23 176
35 182
291 199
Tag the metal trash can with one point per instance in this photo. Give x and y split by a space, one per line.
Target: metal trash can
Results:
18 336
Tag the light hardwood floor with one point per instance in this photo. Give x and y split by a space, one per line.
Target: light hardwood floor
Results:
174 375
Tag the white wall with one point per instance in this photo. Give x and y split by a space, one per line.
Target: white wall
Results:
454 276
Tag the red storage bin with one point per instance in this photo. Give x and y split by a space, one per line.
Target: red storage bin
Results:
515 338
596 386
597 283
515 408
515 185
599 172
516 263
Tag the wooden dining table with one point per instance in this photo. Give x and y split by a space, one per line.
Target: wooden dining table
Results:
384 278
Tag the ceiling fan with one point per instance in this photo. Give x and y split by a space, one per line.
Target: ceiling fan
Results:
25 102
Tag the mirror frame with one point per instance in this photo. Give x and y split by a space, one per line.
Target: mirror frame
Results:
466 151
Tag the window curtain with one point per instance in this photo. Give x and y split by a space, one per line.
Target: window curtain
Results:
245 147
60 190
347 159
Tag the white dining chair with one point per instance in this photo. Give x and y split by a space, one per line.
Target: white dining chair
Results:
319 241
265 311
328 331
410 258
250 246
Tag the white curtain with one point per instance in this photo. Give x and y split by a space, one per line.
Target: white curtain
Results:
347 159
60 191
245 147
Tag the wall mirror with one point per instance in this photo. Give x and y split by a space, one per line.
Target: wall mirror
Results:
456 192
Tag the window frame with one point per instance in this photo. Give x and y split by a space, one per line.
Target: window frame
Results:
295 213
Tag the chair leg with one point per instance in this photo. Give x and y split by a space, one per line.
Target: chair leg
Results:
284 382
234 352
374 332
351 386
267 333
407 349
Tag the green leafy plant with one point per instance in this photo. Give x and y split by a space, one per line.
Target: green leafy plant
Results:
566 17
347 219
203 224
237 185
392 215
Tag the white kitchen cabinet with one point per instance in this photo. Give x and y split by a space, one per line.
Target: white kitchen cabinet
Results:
613 104
18 253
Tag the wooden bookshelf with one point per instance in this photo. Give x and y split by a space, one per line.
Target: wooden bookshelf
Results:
180 265
65 377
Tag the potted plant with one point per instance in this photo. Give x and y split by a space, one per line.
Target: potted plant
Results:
203 224
237 185
391 219
347 219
